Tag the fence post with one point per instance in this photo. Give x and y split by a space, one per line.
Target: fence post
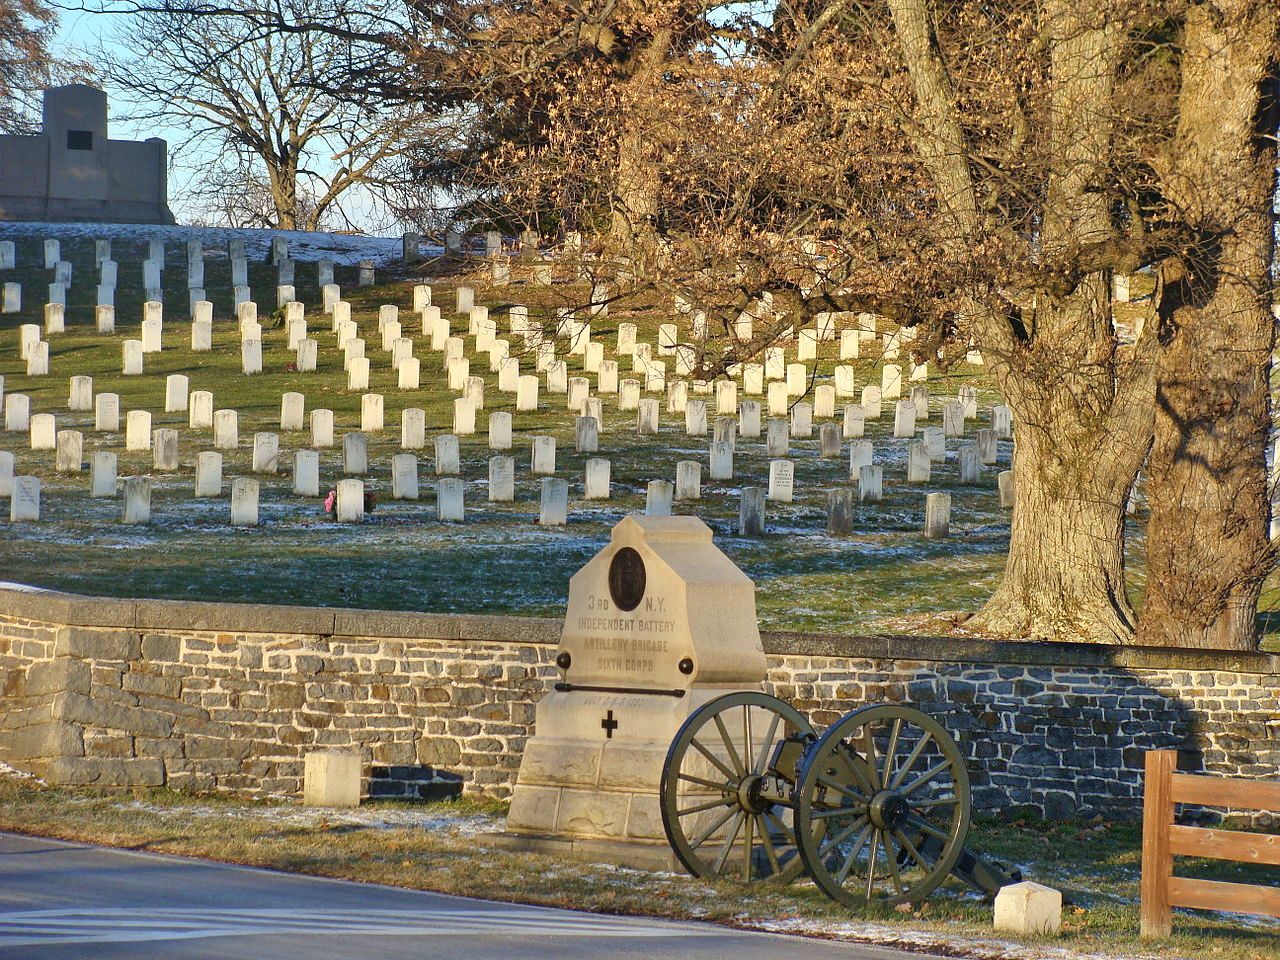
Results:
1157 859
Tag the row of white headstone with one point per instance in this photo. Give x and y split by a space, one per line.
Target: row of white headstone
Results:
24 491
152 276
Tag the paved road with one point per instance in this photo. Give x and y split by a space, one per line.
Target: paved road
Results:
69 900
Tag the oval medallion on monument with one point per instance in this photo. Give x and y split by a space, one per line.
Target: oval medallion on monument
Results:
626 579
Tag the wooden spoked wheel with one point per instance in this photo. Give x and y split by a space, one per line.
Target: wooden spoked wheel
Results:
726 807
882 806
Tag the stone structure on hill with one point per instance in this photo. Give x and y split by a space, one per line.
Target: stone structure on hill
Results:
72 171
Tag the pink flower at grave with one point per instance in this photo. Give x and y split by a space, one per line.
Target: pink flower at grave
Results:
330 501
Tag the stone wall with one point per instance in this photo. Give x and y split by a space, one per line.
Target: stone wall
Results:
113 693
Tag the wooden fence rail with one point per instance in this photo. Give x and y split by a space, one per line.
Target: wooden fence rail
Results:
1162 840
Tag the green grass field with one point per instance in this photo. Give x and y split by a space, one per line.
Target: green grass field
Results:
884 577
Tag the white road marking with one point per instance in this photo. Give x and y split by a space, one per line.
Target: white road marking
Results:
109 925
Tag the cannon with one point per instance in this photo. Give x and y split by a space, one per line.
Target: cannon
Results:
875 809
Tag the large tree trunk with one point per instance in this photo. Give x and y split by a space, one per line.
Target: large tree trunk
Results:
1080 433
636 189
283 180
1207 547
1082 411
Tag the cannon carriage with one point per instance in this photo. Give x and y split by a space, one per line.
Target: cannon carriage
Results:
875 808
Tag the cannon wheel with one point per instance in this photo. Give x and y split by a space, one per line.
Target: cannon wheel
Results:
717 768
882 806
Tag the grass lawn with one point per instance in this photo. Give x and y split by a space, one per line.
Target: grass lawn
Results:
886 577
441 847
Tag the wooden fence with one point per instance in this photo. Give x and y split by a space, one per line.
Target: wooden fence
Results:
1162 840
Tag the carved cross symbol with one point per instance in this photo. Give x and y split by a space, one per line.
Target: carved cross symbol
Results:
608 724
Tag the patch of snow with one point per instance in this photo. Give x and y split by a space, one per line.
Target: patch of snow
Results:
374 817
347 249
972 948
8 771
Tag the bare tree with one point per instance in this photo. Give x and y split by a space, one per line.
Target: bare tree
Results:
269 96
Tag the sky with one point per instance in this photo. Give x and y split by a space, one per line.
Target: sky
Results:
80 31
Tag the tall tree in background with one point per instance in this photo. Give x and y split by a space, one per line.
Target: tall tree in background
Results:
265 95
981 172
26 27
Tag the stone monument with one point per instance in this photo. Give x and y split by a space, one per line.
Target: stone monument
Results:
658 623
72 170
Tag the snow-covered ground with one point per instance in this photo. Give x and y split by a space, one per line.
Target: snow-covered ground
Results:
304 246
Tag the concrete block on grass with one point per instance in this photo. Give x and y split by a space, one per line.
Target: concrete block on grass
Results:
331 779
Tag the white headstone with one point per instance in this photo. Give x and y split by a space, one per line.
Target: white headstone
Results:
586 435
251 356
292 411
450 500
597 481
106 412
448 455
358 374
17 412
226 429
372 413
176 387
749 420
802 420
404 477
322 428
355 454
502 479
658 497
872 402
266 453
137 430
164 449
244 502
781 480
904 419
554 507
24 504
201 336
527 393
1006 489
350 501
870 484
688 480
137 500
306 473
500 431
12 302
777 438
208 474
953 418
69 456
28 337
38 359
80 397
307 352
102 474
